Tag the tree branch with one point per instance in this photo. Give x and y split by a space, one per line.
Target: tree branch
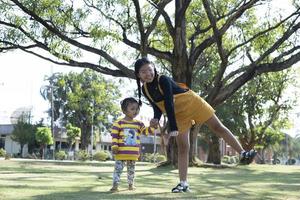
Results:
165 15
251 72
74 42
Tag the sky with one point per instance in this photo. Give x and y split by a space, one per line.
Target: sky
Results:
21 78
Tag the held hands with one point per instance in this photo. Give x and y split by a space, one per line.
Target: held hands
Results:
115 150
154 123
173 133
166 137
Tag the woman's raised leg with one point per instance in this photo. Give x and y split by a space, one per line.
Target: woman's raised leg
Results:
215 125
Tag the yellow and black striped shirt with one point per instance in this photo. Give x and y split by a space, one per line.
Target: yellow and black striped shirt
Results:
126 138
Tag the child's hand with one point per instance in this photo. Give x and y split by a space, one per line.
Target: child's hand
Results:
115 150
154 123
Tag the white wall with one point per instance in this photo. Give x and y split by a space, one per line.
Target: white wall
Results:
12 147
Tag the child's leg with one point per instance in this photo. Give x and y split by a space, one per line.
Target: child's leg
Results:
119 165
215 125
130 172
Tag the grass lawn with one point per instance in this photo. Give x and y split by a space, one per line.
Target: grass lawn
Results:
39 180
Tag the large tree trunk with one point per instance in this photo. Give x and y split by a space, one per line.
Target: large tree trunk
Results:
85 137
180 65
214 155
193 145
21 150
172 152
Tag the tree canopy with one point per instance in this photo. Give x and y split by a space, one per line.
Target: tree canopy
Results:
229 39
23 131
83 99
225 42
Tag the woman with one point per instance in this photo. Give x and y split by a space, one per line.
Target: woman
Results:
183 108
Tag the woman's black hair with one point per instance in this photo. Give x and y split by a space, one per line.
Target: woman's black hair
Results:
125 102
137 66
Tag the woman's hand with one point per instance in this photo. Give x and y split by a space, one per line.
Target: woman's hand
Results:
154 123
166 137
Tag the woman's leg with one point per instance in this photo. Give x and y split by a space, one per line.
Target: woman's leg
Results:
215 125
183 144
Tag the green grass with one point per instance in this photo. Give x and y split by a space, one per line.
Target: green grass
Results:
36 180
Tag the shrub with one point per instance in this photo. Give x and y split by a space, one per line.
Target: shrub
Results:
7 156
160 158
291 161
225 159
109 154
82 155
276 161
60 155
100 156
2 152
230 159
234 159
149 157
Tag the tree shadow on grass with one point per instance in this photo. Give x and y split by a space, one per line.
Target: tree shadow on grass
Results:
97 195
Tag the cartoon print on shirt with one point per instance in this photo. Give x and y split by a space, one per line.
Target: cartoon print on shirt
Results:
129 137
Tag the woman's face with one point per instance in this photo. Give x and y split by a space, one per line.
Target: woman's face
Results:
146 73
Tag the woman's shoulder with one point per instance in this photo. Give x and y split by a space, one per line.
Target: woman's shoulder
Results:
163 78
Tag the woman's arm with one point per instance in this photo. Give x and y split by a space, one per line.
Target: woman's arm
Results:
166 85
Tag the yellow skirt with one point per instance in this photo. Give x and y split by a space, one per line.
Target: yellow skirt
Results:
189 109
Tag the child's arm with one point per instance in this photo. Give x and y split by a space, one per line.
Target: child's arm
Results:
115 130
146 130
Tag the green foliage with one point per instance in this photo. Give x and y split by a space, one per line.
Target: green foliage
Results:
291 161
23 132
72 133
82 155
215 46
7 156
43 136
160 158
83 100
150 157
230 159
260 110
2 152
60 155
100 156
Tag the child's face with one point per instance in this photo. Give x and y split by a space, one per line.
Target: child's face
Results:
132 110
146 73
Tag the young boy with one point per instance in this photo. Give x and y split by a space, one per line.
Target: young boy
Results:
126 142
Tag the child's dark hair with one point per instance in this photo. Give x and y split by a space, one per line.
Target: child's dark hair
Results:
125 102
137 66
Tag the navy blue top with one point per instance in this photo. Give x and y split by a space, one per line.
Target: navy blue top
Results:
169 88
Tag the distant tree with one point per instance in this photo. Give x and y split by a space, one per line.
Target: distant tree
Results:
72 133
43 137
23 132
83 99
294 147
260 111
229 40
